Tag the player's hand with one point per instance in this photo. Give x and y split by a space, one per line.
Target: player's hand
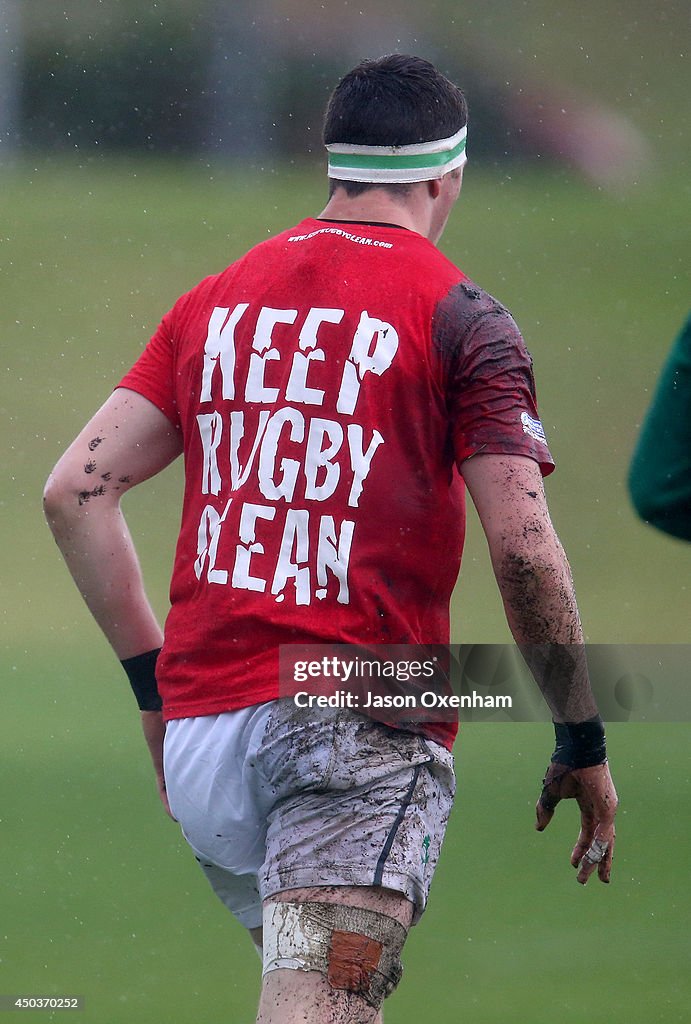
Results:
154 730
594 791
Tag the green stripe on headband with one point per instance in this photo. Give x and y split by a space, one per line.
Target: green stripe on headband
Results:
392 162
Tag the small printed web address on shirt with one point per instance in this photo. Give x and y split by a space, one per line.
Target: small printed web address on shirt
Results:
344 234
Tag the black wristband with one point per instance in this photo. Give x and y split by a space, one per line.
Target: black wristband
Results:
580 745
141 672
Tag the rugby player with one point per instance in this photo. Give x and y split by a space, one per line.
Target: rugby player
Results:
334 393
660 471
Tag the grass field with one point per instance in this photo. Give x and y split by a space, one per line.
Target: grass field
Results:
100 895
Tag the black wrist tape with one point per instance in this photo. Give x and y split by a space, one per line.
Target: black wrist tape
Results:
141 672
580 745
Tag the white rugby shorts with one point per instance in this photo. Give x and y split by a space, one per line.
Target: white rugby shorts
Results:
275 797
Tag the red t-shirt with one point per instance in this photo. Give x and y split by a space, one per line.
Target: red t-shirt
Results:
327 386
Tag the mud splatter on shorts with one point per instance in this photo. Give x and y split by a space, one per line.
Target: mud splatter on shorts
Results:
276 797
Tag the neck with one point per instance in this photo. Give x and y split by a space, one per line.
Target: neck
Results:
379 206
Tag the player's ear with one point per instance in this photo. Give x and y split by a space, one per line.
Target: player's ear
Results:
434 187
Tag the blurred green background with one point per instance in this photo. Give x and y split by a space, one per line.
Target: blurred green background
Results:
100 896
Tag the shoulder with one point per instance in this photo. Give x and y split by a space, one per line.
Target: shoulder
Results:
467 317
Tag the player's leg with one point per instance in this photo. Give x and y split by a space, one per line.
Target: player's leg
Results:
311 800
332 954
256 936
275 996
358 824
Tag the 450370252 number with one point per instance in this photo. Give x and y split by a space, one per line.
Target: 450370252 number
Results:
33 1002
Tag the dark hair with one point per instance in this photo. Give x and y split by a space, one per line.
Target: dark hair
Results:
396 100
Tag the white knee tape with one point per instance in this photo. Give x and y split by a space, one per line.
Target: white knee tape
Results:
357 950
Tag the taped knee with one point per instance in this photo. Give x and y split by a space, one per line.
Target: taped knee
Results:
357 950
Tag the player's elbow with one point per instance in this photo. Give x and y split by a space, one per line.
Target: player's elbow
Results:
521 569
643 492
65 497
661 498
530 550
537 592
665 509
58 498
646 507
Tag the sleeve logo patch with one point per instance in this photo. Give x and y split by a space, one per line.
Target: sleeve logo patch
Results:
533 428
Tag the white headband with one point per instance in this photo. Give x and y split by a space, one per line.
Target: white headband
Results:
397 164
